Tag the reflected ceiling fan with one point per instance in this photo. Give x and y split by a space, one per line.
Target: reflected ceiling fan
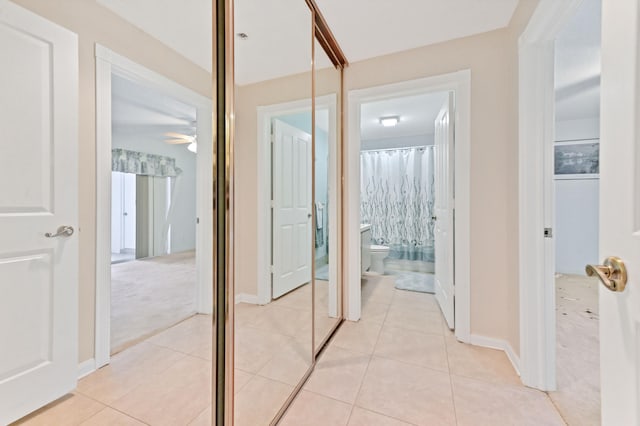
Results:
181 138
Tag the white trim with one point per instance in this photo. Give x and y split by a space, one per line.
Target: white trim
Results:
535 188
247 298
86 367
263 149
460 83
108 63
502 345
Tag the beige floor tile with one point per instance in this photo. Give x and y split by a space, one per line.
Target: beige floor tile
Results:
358 336
406 392
297 299
240 379
480 403
338 374
476 362
70 410
421 320
190 336
310 409
289 363
129 369
425 350
203 419
362 417
111 417
254 348
259 401
377 289
374 312
176 396
282 320
324 325
246 313
415 300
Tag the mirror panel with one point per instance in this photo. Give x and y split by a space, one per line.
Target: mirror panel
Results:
328 300
273 226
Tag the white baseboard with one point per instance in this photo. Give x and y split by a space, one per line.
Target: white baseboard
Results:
86 367
247 298
503 345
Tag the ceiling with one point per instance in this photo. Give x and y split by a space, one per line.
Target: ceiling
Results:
577 74
138 109
364 28
417 116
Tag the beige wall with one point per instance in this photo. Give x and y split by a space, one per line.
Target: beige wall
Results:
95 24
493 60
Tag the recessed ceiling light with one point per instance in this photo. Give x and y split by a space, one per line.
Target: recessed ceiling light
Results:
242 36
389 121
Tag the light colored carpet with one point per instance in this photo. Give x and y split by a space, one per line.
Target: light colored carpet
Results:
150 295
413 281
578 350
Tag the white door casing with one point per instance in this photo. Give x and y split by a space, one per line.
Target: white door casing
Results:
38 194
620 212
292 182
443 209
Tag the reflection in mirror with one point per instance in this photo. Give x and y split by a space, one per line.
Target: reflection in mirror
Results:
328 302
273 206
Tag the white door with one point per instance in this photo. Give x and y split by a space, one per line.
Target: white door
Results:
620 212
129 211
291 208
38 195
443 209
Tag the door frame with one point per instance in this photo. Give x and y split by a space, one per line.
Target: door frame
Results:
536 50
108 63
460 83
264 240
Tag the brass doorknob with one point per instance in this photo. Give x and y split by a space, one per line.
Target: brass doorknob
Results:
613 274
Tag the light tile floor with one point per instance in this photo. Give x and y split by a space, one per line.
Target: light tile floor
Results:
400 365
383 370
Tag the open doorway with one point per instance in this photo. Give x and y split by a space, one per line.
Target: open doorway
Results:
153 211
405 210
154 204
576 206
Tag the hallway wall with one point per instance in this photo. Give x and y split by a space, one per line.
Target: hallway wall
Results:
96 24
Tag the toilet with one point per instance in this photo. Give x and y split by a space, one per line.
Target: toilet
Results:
378 254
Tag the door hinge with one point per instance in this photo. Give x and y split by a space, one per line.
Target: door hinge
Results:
273 203
272 269
548 232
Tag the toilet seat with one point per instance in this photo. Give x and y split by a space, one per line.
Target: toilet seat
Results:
378 248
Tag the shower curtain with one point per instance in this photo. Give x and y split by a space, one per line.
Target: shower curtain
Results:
397 195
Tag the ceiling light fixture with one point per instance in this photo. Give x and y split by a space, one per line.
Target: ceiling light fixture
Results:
193 147
390 121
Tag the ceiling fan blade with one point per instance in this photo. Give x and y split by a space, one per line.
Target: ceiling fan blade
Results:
178 136
177 141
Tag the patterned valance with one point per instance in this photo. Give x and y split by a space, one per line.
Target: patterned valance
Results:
141 163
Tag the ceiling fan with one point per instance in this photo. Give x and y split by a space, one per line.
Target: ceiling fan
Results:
180 138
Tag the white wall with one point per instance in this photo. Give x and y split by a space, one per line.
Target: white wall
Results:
401 142
183 221
576 229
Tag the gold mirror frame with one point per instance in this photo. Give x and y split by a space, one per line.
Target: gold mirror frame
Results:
223 200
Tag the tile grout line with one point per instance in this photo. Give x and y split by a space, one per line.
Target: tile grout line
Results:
453 397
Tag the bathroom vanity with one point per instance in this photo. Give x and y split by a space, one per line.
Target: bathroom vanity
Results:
365 247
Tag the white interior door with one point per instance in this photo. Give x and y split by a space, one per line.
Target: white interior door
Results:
129 211
291 208
38 194
620 212
443 209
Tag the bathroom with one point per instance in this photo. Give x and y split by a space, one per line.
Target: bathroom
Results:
398 190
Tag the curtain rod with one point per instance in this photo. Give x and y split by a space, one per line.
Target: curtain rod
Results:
422 147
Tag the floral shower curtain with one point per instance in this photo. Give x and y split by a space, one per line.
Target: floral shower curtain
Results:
397 195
